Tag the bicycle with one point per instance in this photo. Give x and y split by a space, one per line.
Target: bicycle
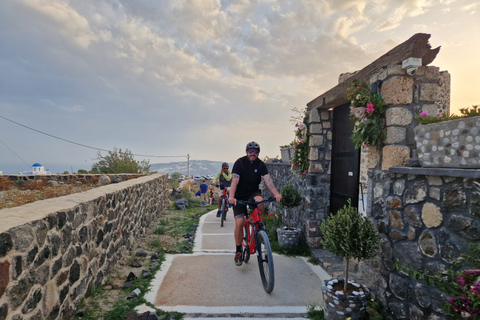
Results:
223 205
255 241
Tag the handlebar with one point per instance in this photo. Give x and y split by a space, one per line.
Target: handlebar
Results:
253 203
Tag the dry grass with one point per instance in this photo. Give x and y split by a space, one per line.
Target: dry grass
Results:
14 194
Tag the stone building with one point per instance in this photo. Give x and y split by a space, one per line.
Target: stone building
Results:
426 216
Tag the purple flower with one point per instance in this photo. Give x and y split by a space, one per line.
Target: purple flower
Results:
439 115
424 114
476 289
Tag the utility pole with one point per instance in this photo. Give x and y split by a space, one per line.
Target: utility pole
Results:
188 166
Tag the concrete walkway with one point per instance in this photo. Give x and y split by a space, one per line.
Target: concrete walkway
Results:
207 283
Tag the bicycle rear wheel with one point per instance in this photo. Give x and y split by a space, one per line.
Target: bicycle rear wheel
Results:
265 261
223 212
246 245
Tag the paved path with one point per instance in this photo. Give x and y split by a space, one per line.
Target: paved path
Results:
207 283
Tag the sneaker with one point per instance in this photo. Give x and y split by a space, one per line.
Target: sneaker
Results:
238 259
218 214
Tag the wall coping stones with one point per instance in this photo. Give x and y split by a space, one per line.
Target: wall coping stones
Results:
17 216
447 172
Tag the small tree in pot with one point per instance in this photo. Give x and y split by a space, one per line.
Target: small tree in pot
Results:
349 234
291 198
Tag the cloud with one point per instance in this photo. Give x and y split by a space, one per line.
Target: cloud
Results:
178 76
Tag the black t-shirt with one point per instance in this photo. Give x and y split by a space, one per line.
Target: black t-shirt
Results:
250 176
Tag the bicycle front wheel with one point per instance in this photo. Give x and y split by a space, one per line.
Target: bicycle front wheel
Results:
265 261
223 212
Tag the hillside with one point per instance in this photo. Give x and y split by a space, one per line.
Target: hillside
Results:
197 167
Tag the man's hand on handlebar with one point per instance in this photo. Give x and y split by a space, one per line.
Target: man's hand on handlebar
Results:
232 201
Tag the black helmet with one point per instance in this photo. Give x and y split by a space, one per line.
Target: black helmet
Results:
224 164
253 145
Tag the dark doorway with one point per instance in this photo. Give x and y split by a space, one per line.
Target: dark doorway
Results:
345 161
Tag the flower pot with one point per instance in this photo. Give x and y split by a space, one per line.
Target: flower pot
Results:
449 144
287 153
341 306
288 238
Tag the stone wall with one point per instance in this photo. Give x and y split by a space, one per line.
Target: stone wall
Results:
307 216
427 218
53 251
315 185
449 144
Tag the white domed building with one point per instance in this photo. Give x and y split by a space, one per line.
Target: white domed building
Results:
37 168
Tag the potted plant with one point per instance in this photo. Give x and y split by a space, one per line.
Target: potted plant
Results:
350 235
288 236
367 111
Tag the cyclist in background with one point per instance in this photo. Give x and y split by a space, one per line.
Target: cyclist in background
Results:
247 175
224 177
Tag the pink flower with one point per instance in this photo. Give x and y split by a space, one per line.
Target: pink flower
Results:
439 115
359 87
369 108
424 114
461 280
301 126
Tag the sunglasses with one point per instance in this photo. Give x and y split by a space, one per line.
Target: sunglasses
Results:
252 152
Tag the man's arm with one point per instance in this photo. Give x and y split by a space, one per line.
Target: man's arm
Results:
216 178
233 189
271 186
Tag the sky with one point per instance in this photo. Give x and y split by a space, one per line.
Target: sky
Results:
169 78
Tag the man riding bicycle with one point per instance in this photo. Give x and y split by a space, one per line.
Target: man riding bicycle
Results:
247 175
225 178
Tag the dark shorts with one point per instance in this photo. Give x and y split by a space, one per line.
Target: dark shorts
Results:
240 210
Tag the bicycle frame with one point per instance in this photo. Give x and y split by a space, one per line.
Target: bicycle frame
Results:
255 240
223 205
253 223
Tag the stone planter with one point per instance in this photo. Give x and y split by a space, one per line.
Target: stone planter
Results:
340 306
449 144
288 238
286 154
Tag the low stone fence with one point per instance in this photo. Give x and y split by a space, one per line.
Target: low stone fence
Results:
53 251
85 178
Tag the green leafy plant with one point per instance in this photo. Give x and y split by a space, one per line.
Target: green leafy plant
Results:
291 197
349 234
367 112
424 118
300 160
460 283
314 313
118 161
473 112
274 221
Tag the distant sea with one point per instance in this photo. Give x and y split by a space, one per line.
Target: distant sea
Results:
196 167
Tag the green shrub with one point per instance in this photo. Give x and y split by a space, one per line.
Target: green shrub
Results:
425 118
291 197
